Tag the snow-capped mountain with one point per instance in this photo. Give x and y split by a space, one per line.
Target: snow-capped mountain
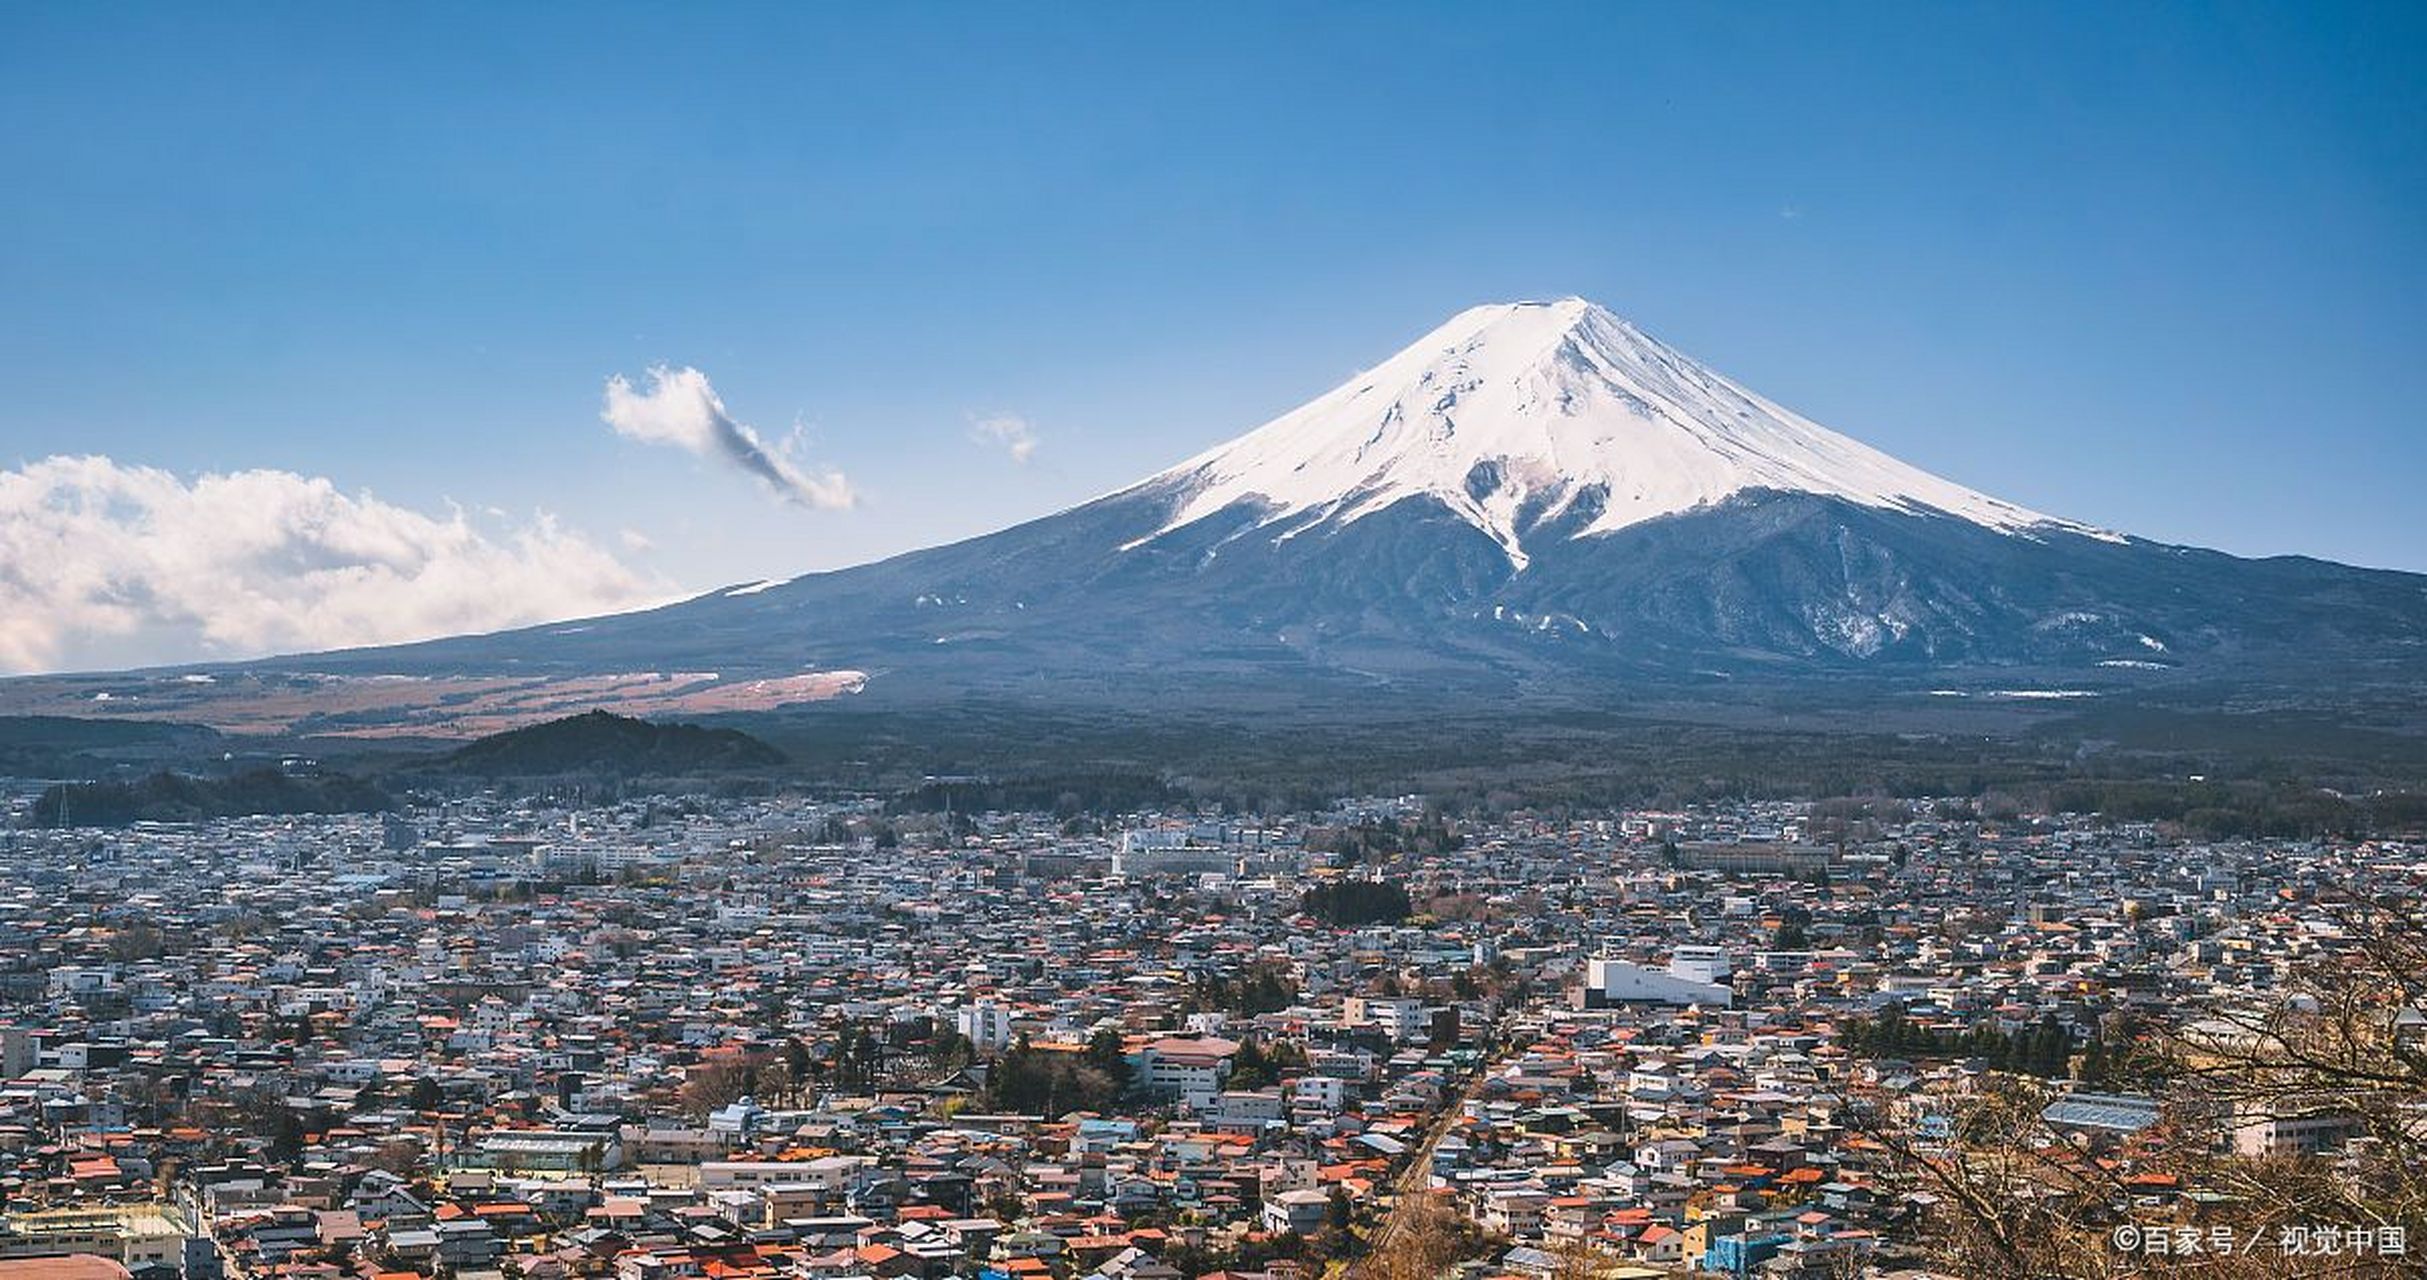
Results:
1533 496
1518 415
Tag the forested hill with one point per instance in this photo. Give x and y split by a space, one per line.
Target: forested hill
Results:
179 797
71 747
601 742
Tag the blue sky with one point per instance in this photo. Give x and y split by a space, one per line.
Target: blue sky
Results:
2153 267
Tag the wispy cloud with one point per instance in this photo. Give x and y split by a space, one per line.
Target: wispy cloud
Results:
1010 432
103 563
680 408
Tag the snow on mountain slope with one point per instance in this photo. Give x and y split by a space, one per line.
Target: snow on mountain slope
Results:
1512 414
1533 501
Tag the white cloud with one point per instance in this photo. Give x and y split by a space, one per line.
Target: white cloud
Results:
109 564
1010 431
680 408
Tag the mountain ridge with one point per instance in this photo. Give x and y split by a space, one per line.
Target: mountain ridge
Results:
1534 500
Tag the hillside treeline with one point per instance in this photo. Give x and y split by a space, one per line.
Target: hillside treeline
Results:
178 797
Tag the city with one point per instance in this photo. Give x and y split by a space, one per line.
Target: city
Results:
676 1038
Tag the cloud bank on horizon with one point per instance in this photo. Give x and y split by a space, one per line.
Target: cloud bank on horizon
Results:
681 408
108 564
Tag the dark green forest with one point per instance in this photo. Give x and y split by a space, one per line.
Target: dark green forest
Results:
2203 774
1351 903
177 797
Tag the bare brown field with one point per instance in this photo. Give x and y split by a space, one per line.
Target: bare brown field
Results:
270 703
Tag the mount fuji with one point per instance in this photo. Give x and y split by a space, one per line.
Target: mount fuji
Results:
1532 498
1526 416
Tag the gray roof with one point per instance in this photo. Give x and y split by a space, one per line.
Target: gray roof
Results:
2119 1113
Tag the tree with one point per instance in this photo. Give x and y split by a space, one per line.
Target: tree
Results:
799 1066
286 1136
859 1058
1423 1240
136 942
1263 988
1579 1260
772 1080
2093 1067
2016 1198
1444 1028
1250 1069
1106 1053
1028 1080
712 1085
2351 1044
949 1050
1349 903
398 1156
